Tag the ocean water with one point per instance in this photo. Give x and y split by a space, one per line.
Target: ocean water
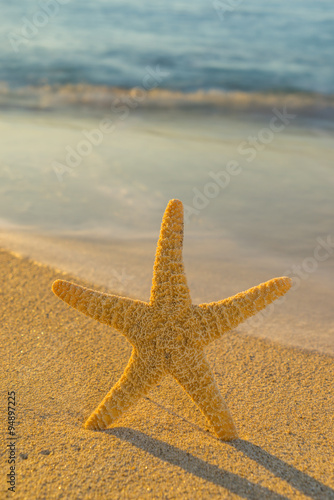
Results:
110 109
276 46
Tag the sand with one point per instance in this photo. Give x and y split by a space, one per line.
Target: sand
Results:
60 365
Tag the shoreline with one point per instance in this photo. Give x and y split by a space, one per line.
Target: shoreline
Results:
241 228
90 98
216 268
61 364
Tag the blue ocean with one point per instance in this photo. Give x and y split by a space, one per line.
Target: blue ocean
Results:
229 45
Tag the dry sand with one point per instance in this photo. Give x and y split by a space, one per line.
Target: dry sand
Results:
60 365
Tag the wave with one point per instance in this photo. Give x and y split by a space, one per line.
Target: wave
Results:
53 97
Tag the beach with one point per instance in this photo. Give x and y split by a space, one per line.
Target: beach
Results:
61 364
107 112
245 221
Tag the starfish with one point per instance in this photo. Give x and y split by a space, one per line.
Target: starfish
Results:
169 334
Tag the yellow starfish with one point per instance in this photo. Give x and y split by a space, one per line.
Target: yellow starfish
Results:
169 333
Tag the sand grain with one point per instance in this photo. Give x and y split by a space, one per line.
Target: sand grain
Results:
61 364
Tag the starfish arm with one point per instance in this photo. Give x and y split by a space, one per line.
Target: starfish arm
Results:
220 317
121 313
193 373
140 375
169 283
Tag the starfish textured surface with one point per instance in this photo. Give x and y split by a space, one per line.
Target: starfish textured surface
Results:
169 334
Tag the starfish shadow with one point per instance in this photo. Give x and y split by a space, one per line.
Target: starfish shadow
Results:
297 479
193 465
